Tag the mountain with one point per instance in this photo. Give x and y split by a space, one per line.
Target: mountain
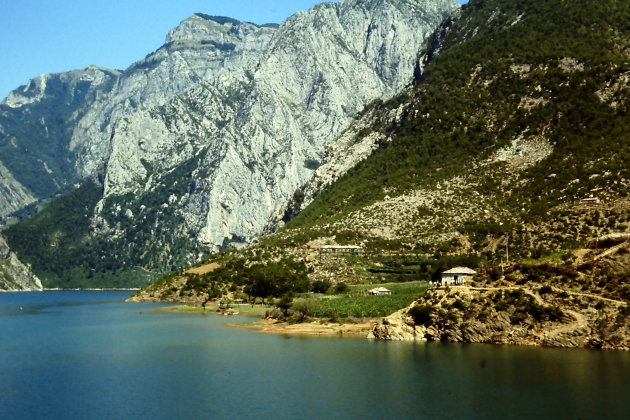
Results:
36 123
13 274
508 155
56 130
184 159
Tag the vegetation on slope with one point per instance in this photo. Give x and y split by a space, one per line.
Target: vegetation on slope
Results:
69 248
524 75
511 125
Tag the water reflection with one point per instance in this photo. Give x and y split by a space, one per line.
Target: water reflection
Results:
106 359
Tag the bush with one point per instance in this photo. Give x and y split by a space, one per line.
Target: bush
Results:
341 288
321 286
422 315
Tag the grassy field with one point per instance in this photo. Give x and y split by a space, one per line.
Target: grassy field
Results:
357 303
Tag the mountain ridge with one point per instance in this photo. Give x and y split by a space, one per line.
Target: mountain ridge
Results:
248 137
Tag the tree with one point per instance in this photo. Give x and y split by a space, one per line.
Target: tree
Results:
285 302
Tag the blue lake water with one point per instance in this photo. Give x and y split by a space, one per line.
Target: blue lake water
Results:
83 355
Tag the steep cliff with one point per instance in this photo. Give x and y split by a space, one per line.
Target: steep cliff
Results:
36 125
13 274
56 130
196 50
202 144
260 133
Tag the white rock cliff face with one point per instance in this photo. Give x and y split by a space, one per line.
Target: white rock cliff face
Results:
196 50
13 274
36 123
75 111
259 129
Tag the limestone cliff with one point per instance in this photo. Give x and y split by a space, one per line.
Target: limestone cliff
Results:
258 133
203 143
36 124
13 274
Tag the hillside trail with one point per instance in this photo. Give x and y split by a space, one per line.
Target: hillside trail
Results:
579 322
539 300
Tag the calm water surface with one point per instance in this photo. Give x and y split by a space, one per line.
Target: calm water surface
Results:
82 355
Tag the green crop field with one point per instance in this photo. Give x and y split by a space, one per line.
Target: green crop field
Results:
357 303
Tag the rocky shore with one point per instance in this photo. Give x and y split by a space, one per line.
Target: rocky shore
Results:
463 315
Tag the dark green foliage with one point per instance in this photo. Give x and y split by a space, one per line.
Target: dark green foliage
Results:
65 252
422 315
311 164
35 138
58 245
341 288
285 302
321 286
276 279
268 279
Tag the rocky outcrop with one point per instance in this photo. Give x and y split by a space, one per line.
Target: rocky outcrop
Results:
13 274
509 315
36 125
70 116
260 132
196 50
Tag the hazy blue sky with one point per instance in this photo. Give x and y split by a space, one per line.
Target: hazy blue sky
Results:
50 36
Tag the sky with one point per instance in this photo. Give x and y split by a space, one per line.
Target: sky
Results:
52 36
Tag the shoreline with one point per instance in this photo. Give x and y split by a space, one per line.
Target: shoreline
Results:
315 328
308 329
120 289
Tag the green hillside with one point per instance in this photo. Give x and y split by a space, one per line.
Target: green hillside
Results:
547 81
511 155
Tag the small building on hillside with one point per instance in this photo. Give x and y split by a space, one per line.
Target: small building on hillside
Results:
341 249
379 291
456 276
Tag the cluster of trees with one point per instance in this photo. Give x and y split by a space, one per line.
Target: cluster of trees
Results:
270 279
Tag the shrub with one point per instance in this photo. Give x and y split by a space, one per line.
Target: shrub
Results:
341 288
321 286
422 315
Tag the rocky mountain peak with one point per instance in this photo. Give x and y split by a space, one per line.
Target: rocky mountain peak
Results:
206 29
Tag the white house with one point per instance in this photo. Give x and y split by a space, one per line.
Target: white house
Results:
456 276
379 291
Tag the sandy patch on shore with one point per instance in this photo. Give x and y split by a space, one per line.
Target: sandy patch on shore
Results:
314 328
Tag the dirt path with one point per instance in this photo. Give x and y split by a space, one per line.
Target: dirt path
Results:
539 300
614 301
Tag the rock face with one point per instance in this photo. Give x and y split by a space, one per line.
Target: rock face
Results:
66 119
13 274
258 132
207 139
196 50
508 315
36 124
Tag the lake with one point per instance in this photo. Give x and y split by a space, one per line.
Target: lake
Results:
90 355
